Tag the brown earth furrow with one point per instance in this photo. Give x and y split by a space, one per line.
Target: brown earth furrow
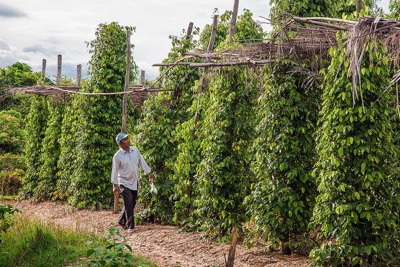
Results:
163 244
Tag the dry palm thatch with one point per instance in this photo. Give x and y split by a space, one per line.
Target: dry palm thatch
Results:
293 40
367 29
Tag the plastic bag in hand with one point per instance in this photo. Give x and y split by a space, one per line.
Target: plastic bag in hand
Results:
153 189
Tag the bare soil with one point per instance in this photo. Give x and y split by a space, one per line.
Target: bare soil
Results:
163 244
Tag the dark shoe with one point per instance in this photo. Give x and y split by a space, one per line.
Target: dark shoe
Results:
123 227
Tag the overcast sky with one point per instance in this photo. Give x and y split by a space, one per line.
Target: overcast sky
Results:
32 30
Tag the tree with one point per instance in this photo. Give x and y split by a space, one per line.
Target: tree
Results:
187 136
12 134
247 30
189 132
12 141
153 137
310 8
17 75
68 141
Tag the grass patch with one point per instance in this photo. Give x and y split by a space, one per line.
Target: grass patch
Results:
29 243
35 244
13 197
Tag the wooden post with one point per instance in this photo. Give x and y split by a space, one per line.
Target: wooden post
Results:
78 75
189 30
213 33
43 70
359 5
188 34
209 49
125 100
143 77
59 63
232 249
233 20
127 77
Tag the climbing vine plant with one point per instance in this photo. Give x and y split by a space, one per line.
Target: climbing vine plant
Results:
47 179
67 139
36 122
187 135
161 115
227 130
99 119
355 165
282 199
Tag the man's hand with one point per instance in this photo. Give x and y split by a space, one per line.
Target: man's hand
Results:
115 190
151 177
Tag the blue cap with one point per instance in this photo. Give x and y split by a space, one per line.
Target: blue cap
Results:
120 136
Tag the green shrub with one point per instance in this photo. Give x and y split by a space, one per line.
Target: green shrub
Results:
10 181
6 213
116 252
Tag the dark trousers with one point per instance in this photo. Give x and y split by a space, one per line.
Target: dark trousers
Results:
126 217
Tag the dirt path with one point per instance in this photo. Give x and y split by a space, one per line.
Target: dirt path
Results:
164 245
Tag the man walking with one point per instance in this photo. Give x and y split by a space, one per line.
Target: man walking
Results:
125 178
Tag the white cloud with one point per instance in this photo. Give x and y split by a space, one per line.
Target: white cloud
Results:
10 12
4 46
11 55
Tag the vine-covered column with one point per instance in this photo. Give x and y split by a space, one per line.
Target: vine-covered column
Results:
155 132
36 125
356 155
99 118
227 132
282 199
47 179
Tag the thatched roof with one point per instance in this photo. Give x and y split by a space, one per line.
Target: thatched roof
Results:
300 38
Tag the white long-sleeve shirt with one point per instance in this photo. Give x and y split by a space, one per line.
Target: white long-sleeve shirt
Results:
125 168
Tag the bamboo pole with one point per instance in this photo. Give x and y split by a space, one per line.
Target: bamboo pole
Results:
207 60
222 64
125 100
328 25
170 64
